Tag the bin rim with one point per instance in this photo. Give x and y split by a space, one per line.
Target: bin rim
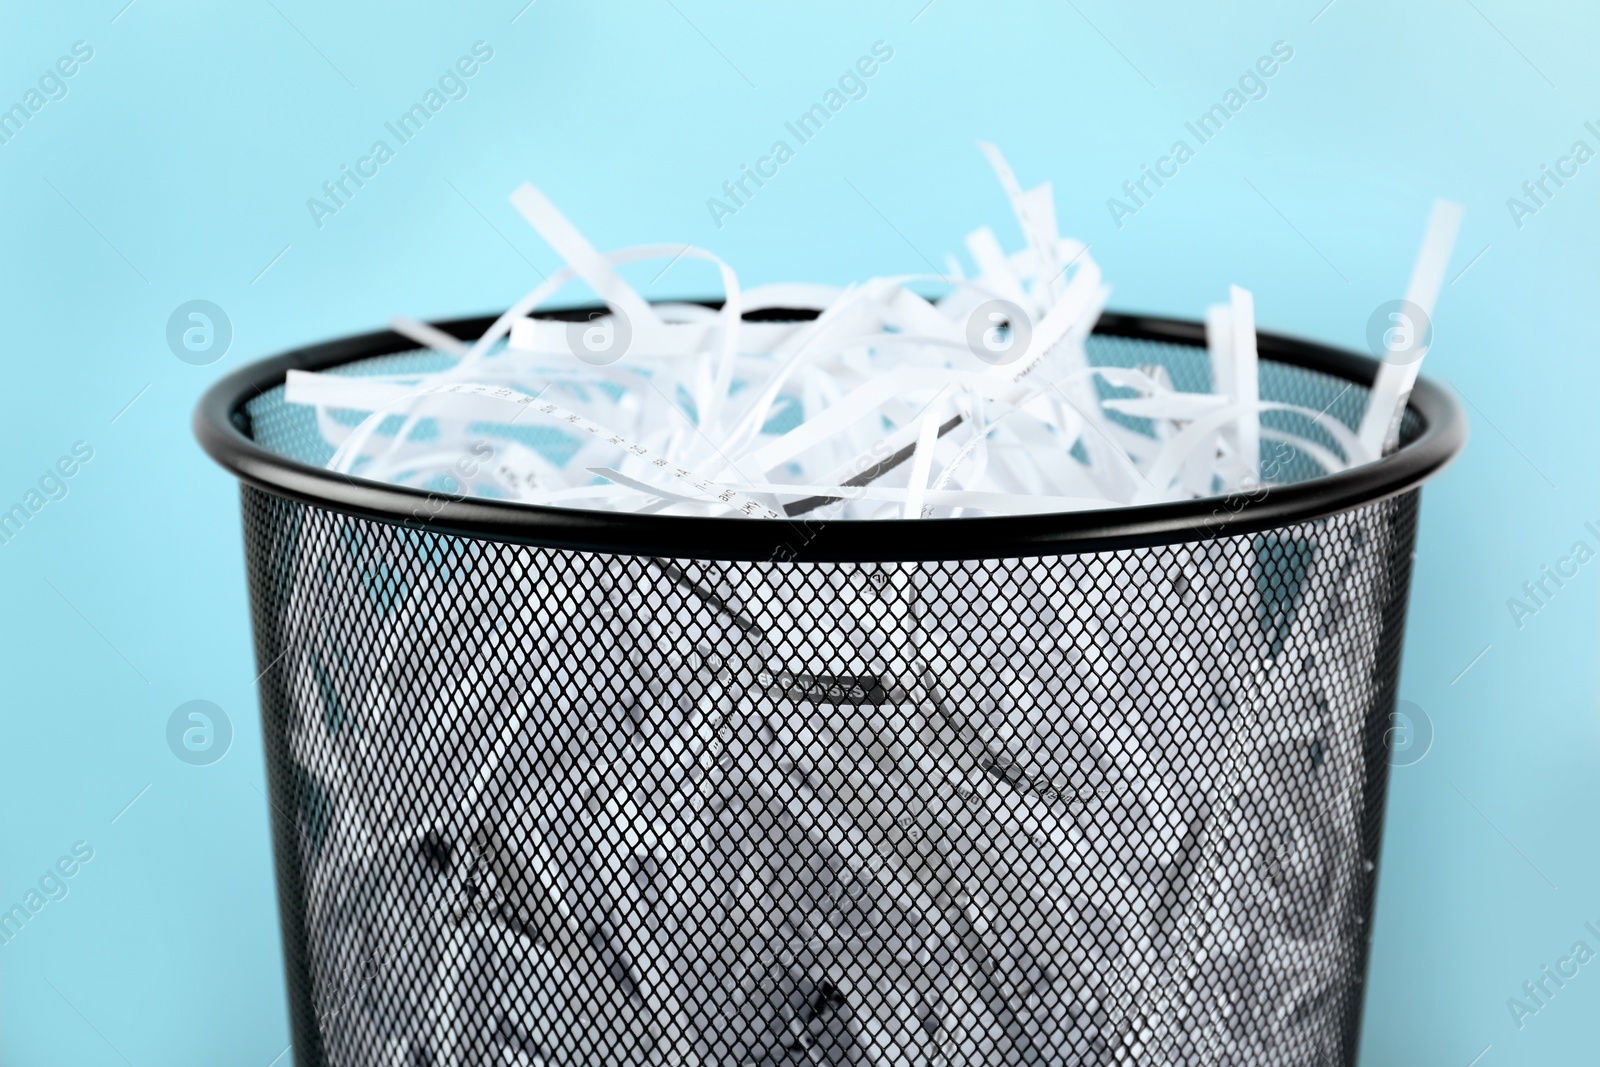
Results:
222 426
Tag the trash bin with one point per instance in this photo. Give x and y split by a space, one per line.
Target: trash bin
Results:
560 787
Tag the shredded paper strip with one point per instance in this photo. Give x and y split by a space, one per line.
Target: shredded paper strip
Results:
873 400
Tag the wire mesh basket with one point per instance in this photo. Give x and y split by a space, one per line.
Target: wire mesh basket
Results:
557 787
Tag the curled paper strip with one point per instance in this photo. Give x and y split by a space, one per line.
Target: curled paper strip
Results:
875 400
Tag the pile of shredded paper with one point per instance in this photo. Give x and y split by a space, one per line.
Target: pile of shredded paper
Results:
1097 809
873 401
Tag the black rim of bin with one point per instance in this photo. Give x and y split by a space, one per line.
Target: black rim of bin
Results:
222 425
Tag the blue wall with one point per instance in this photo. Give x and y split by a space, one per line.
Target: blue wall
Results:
178 164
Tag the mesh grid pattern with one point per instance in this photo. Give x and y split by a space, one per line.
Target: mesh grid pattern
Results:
546 807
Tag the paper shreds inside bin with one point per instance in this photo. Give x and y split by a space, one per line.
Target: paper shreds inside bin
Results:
885 404
719 879
963 818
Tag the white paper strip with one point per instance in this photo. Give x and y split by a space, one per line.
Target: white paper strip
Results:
838 402
1380 425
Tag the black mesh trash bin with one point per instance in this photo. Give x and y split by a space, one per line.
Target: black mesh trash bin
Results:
555 787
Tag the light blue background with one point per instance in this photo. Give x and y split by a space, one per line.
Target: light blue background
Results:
181 161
